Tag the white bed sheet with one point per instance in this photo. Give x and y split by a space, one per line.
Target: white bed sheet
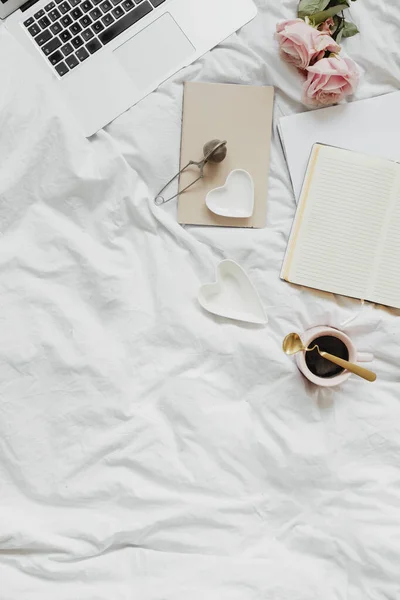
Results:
147 449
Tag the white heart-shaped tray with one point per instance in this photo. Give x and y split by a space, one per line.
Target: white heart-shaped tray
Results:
234 199
232 296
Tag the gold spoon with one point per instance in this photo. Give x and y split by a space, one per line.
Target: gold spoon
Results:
293 344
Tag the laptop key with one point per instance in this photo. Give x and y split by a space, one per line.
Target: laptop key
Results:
39 14
128 4
93 46
133 16
82 54
105 6
66 20
75 28
62 69
107 19
97 27
85 21
86 6
77 42
56 57
87 34
55 28
34 29
44 22
54 15
28 22
74 2
49 6
64 7
96 14
43 37
51 46
65 36
117 12
67 49
72 61
156 3
76 13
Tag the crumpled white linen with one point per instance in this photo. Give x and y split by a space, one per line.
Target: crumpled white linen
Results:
147 448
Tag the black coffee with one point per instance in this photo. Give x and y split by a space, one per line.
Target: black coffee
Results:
320 366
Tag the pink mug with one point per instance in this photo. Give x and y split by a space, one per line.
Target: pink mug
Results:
354 356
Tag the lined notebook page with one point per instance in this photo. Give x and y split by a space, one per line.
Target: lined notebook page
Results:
386 288
344 212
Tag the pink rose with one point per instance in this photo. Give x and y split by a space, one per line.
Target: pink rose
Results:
302 45
327 26
329 81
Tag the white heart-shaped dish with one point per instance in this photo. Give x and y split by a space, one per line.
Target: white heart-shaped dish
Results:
234 199
232 296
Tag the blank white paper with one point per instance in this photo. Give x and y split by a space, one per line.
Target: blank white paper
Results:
369 126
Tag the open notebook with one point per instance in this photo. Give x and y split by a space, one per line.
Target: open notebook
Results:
346 234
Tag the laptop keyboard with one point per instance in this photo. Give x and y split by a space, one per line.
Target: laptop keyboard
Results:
70 31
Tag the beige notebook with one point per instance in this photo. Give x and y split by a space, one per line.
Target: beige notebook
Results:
240 114
346 234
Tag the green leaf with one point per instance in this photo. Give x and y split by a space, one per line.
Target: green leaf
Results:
322 16
337 2
337 32
339 35
349 29
338 23
309 7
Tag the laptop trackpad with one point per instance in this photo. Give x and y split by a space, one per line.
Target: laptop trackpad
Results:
155 53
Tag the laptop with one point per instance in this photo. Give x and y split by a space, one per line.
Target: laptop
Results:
103 56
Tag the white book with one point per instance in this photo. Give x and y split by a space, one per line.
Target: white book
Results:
346 234
369 126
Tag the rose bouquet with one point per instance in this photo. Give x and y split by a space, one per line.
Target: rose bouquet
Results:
311 43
